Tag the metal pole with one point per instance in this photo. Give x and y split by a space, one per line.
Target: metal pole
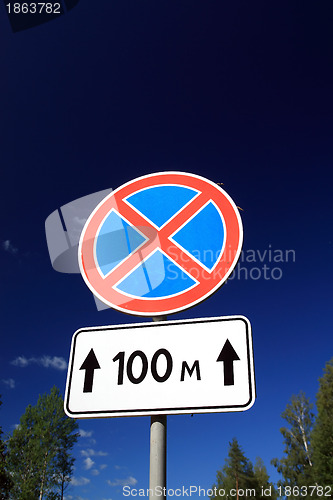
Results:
158 435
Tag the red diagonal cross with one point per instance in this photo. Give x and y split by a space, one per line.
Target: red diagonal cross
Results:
158 239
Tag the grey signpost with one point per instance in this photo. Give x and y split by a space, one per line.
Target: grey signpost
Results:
157 463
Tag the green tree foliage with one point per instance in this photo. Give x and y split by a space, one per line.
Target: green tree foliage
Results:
296 466
237 478
39 456
5 481
322 436
266 488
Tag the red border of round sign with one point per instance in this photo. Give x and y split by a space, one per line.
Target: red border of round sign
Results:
208 282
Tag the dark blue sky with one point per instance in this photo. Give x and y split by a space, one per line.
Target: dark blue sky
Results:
238 92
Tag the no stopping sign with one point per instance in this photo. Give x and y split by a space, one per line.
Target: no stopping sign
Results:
160 243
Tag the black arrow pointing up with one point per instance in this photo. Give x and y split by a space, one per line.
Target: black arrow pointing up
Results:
228 355
90 364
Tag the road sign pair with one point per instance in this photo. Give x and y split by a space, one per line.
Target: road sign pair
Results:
155 246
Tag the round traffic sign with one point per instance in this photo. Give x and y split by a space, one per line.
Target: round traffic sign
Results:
160 243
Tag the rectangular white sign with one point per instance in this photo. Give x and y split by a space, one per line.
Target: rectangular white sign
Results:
169 367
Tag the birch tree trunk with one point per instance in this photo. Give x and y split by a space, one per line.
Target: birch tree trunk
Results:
43 477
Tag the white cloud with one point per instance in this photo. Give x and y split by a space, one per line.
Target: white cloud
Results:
95 472
10 382
92 453
85 434
21 361
55 362
79 481
103 466
9 247
88 463
129 481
